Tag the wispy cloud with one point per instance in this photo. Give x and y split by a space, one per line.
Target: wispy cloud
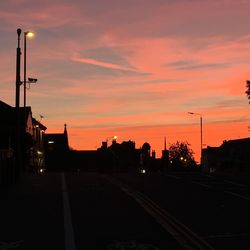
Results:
190 65
103 64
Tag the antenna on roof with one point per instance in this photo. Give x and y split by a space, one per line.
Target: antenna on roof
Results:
41 117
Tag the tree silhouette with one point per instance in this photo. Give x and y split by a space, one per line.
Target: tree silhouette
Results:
248 90
181 155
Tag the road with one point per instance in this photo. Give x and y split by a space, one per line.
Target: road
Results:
216 208
74 211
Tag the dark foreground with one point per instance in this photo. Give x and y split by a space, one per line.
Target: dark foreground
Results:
75 211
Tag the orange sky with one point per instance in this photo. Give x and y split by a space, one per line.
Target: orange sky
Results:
133 68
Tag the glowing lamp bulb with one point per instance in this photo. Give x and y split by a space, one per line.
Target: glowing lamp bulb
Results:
30 34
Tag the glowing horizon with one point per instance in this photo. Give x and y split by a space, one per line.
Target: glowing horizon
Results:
133 68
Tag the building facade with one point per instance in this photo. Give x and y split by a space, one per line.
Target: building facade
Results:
17 133
57 153
231 156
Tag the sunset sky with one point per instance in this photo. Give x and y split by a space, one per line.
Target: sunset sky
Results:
132 68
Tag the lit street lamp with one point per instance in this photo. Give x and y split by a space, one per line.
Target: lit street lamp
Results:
30 80
18 158
192 113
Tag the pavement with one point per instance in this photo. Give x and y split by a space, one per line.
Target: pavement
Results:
31 214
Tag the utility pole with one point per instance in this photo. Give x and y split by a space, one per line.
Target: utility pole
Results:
17 109
18 67
201 128
201 132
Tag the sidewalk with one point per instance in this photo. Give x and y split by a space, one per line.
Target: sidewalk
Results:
31 213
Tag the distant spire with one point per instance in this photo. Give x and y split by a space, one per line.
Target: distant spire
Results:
66 136
165 143
65 128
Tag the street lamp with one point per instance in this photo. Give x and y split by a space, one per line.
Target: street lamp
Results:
30 80
18 66
16 174
192 113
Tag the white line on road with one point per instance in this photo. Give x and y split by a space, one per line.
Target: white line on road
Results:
186 238
8 245
238 195
181 233
68 227
228 235
236 184
201 184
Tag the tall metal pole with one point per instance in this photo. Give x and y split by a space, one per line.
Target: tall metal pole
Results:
16 174
201 132
18 66
201 137
24 71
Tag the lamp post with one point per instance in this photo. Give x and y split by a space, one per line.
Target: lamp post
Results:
30 80
17 168
18 66
26 34
201 132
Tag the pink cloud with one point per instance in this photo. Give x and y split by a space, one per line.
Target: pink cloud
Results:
171 58
100 63
43 15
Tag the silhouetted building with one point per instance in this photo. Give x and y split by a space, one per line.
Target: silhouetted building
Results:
57 153
85 160
37 152
118 157
150 163
165 156
26 136
153 155
104 145
28 140
145 156
210 159
231 156
7 142
125 154
7 127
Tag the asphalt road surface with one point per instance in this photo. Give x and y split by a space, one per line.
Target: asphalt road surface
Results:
216 208
75 211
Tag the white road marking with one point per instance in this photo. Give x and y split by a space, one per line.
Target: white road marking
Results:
236 184
115 244
8 245
68 227
227 235
201 184
178 230
181 233
238 195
